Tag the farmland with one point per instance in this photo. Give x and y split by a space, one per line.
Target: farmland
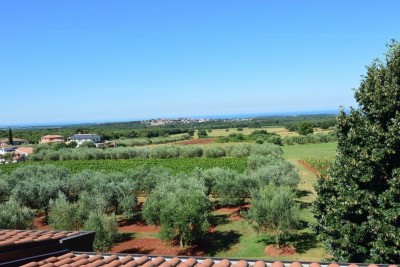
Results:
108 165
123 179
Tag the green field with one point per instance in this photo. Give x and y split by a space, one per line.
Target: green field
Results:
247 131
309 150
185 165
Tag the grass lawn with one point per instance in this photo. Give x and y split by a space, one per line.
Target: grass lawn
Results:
297 152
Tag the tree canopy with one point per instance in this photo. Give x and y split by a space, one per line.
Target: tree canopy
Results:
358 204
181 208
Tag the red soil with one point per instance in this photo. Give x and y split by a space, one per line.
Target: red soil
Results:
141 227
39 222
234 212
154 246
145 246
274 250
197 141
311 169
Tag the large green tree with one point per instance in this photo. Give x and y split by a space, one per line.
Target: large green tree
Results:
358 205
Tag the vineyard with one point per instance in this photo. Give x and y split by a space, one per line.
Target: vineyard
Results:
185 165
321 165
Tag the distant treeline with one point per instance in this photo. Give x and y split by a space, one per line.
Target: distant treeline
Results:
139 129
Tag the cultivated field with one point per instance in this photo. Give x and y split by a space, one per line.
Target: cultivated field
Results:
230 234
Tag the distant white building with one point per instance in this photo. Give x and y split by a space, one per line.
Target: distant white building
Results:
80 138
7 149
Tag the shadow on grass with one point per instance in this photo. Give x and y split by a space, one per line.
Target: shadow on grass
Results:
302 193
302 241
218 219
303 224
213 243
304 205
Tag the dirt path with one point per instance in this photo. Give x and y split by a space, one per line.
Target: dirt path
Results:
311 169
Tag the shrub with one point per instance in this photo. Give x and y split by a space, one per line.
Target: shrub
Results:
105 228
214 152
15 216
87 144
275 140
63 215
238 151
190 151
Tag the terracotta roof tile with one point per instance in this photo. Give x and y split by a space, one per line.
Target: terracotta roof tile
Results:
296 264
277 264
14 237
116 260
242 263
207 263
259 264
190 262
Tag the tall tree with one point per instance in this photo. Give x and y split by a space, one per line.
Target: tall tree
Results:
10 137
358 205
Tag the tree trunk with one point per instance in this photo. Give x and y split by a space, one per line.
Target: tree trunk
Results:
181 241
46 216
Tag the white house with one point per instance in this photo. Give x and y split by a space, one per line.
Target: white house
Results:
6 149
80 138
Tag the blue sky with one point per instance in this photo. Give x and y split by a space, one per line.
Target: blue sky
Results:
82 61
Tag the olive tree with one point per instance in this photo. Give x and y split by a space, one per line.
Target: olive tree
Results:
105 227
180 207
273 210
15 216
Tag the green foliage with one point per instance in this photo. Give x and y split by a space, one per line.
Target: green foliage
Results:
63 215
273 209
321 165
277 140
15 216
277 172
87 144
310 139
177 165
10 137
35 186
305 128
238 151
357 208
190 152
105 228
214 152
260 140
181 207
291 127
231 188
202 133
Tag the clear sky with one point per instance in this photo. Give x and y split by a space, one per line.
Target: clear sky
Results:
83 61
